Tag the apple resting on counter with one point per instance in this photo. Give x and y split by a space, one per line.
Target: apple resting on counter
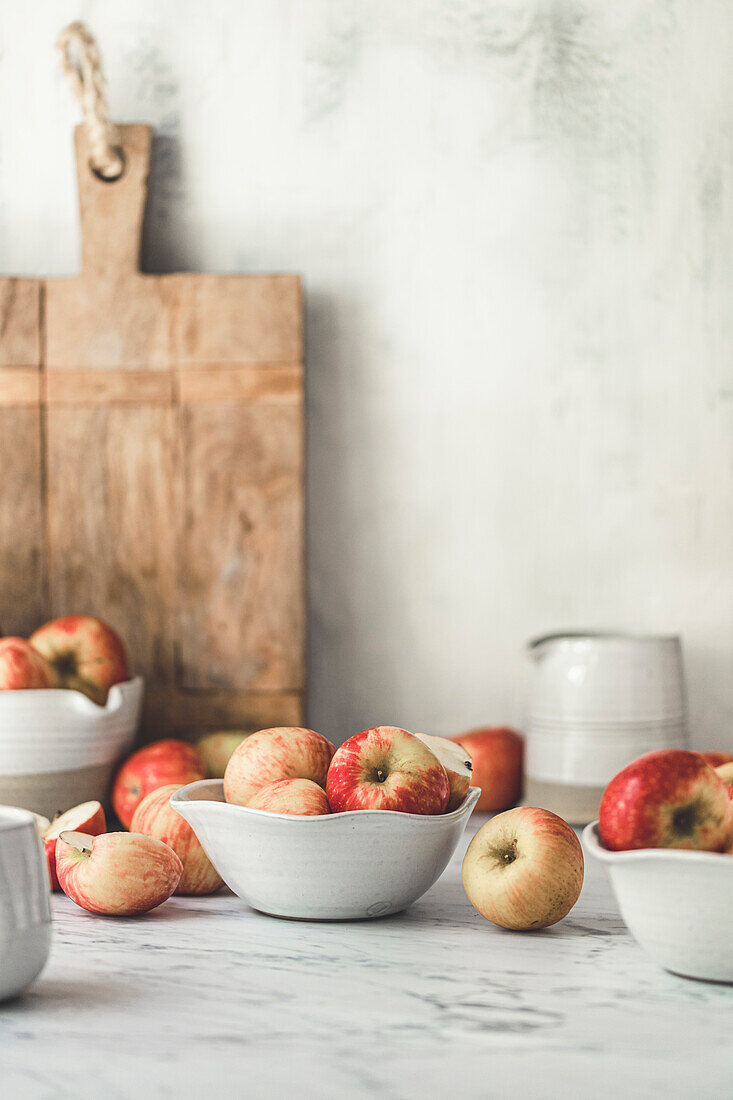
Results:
154 766
523 870
387 768
156 817
116 874
84 654
87 818
670 798
291 796
496 760
215 749
283 752
21 667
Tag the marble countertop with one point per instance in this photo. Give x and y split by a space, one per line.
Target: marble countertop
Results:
207 998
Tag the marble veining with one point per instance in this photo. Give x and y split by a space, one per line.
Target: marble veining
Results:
207 997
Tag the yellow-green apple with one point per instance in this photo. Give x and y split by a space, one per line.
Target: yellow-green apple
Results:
284 752
156 765
116 874
387 768
669 798
86 818
291 796
216 749
84 653
496 760
716 758
156 817
457 763
523 870
21 666
725 772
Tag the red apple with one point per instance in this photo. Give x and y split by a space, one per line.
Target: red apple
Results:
524 869
666 799
725 773
116 874
87 818
22 667
291 796
216 750
156 817
154 766
457 763
496 760
715 759
387 768
284 752
85 654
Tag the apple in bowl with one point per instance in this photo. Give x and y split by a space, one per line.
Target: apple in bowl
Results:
84 653
22 667
670 798
387 768
291 796
282 752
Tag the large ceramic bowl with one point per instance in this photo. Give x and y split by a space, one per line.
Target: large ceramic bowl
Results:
677 905
365 863
58 748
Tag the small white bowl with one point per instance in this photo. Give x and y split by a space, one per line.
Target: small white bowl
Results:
677 904
349 866
58 748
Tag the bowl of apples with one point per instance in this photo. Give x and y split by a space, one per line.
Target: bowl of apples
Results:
300 829
665 835
68 711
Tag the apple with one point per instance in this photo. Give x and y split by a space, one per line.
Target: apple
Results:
715 759
156 765
291 796
496 760
523 870
156 817
116 874
87 818
84 653
457 763
669 798
216 749
725 772
387 768
284 752
22 667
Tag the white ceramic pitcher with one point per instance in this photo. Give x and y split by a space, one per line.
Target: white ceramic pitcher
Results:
597 701
25 910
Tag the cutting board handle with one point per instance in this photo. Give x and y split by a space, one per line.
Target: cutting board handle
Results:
112 211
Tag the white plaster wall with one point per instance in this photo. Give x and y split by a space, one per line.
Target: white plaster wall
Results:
514 222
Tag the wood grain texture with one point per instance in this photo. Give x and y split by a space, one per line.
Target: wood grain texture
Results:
171 412
20 334
22 540
242 617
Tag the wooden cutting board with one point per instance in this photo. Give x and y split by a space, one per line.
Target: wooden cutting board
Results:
152 453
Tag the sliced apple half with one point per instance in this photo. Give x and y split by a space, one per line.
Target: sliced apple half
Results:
116 874
457 763
88 817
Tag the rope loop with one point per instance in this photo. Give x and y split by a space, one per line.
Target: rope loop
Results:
82 64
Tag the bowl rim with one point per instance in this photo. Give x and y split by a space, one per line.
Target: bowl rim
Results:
183 797
55 692
592 842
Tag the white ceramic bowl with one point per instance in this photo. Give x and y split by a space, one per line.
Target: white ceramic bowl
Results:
349 866
25 911
677 905
58 748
